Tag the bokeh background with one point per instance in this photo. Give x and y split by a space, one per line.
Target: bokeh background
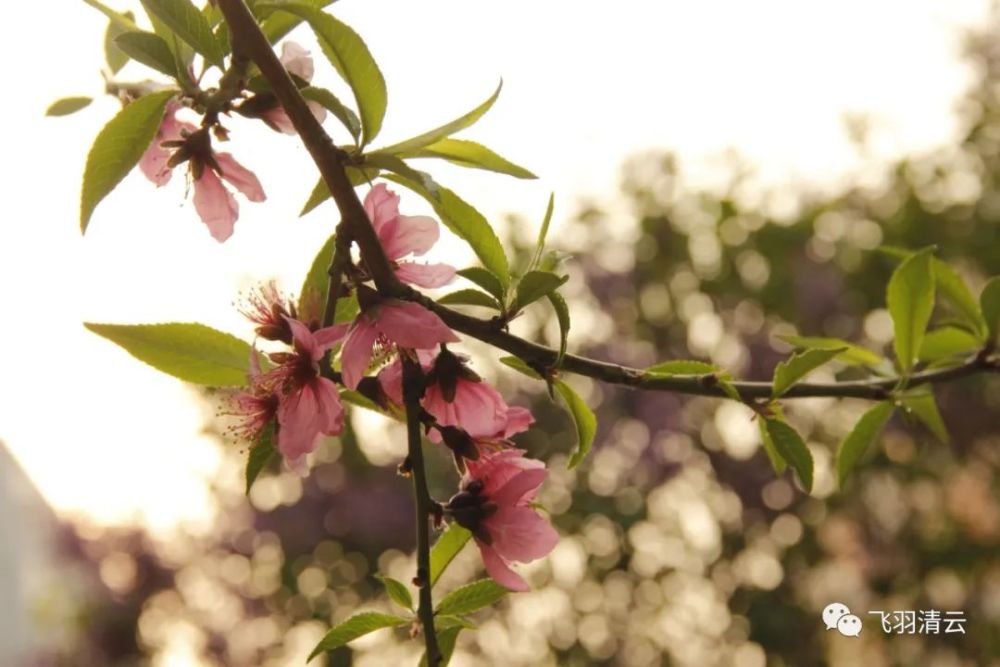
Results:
724 172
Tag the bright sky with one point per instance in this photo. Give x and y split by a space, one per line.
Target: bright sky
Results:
584 87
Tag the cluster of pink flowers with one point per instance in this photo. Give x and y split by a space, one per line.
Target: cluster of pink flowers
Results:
460 410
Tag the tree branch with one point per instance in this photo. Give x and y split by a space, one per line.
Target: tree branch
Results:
413 391
331 162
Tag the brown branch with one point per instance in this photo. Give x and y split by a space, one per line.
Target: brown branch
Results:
330 161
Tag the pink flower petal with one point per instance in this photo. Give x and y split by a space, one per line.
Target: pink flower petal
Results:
278 119
297 60
498 569
521 534
521 488
306 414
382 206
240 177
409 234
304 339
215 205
330 336
391 379
412 326
425 275
518 421
357 352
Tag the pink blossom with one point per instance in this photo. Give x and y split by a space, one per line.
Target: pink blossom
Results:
215 204
494 502
297 61
153 163
403 235
389 322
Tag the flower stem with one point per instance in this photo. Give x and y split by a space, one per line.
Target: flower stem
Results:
413 389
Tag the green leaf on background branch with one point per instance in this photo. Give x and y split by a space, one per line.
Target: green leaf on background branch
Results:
468 223
792 448
533 285
851 354
465 153
393 164
470 297
471 597
583 418
485 279
922 405
68 105
448 545
518 365
910 297
260 455
356 626
118 147
683 367
332 103
113 56
953 289
796 367
446 130
989 301
316 287
191 352
777 461
397 592
276 24
350 56
860 438
543 232
562 315
320 193
148 49
124 20
189 24
947 342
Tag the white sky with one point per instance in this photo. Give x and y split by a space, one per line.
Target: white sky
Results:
584 87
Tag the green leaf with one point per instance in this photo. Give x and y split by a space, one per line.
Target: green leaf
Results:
350 56
910 297
470 297
789 444
191 352
356 626
485 279
534 285
777 462
393 164
518 365
583 417
68 105
947 342
536 258
320 193
316 287
471 597
851 354
124 20
359 399
860 437
468 223
446 130
260 455
398 592
444 622
148 49
989 301
922 405
114 56
465 153
446 548
184 19
562 314
118 147
277 24
446 640
683 367
796 367
953 289
331 103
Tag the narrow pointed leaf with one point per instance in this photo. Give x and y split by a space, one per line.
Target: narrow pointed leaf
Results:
148 49
534 285
471 597
68 105
276 25
124 20
947 342
989 301
397 591
518 365
350 56
189 24
789 444
953 289
683 367
851 354
468 223
331 103
113 56
260 456
470 297
446 130
543 232
923 406
583 417
320 193
860 437
485 279
774 456
118 147
467 153
190 352
910 297
356 626
562 315
793 369
451 542
393 164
